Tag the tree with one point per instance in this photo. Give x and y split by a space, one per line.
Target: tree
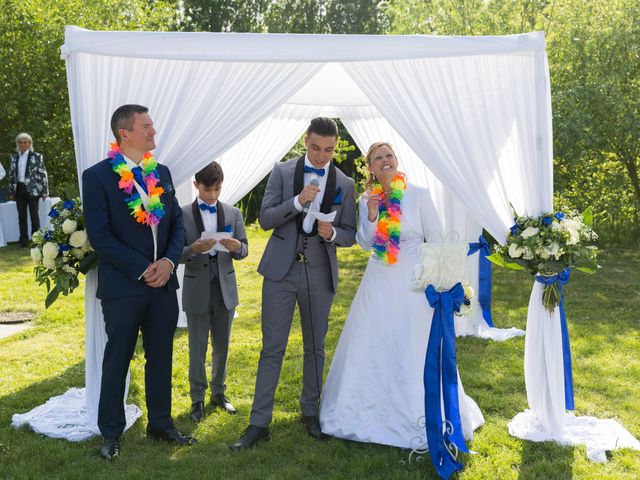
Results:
34 96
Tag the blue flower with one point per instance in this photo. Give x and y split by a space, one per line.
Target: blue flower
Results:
514 229
69 204
54 213
559 216
64 247
48 236
547 220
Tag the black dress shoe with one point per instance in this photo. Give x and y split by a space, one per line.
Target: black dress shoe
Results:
312 423
110 448
171 435
197 411
251 436
220 401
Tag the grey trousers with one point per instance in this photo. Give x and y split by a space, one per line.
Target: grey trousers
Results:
278 304
217 324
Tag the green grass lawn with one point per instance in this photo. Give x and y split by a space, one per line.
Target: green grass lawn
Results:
603 313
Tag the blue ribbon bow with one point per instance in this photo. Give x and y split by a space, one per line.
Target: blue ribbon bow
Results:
444 438
562 279
484 276
210 208
137 174
318 171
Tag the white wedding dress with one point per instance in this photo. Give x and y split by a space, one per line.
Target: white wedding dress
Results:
374 391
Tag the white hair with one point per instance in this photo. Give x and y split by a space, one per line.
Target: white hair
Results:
24 136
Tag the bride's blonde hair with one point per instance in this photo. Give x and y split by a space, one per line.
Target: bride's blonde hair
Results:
371 179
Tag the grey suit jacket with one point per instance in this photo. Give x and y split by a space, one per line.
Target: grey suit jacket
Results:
196 286
279 213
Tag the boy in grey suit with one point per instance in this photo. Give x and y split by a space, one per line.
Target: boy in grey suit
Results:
300 267
209 290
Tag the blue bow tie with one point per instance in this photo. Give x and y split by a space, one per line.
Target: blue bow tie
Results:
211 208
317 171
137 174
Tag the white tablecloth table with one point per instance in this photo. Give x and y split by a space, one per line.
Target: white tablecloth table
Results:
9 228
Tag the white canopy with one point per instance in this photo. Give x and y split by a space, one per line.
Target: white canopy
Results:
470 117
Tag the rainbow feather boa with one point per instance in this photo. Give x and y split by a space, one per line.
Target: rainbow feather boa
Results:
386 243
155 209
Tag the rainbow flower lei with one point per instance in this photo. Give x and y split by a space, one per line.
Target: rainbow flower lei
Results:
151 177
386 243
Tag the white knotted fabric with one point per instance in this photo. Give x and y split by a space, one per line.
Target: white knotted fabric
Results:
475 110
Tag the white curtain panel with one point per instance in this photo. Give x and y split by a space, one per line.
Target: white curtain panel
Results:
449 217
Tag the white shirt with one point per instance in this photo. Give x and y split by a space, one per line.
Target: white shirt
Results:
145 201
209 220
307 224
22 165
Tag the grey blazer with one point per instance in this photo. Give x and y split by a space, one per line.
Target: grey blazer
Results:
279 213
196 286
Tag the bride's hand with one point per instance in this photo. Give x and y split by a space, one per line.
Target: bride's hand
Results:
373 201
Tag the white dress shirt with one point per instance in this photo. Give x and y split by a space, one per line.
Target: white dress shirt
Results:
22 165
307 223
3 173
209 220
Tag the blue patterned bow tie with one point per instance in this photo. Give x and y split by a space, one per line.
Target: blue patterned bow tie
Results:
137 174
317 171
211 208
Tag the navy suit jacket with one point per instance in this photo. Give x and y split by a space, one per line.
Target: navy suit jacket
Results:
124 246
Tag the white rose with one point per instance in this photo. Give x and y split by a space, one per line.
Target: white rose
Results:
69 226
527 254
50 263
50 250
574 237
37 237
529 232
570 224
77 238
36 254
544 253
77 253
515 251
65 213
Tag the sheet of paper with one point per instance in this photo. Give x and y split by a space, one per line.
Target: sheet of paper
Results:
323 217
216 236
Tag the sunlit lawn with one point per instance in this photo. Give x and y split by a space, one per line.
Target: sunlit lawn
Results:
46 360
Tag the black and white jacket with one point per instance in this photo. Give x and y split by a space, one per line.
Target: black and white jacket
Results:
35 175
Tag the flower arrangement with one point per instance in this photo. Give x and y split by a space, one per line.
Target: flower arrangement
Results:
466 307
63 251
547 245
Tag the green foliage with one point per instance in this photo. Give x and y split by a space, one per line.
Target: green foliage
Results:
34 97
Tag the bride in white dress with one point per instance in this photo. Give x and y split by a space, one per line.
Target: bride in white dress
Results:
374 391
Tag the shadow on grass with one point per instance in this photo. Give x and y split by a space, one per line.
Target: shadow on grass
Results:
547 460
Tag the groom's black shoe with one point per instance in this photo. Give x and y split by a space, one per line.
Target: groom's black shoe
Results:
171 435
252 435
197 411
220 401
312 422
110 448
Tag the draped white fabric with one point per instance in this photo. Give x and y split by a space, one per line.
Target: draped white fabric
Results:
475 110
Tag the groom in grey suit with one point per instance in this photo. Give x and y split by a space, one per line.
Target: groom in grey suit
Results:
299 265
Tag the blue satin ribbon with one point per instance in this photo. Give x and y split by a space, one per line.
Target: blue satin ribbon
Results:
484 276
137 174
440 368
562 279
318 171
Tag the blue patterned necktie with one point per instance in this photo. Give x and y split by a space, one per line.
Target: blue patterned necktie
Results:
210 208
318 171
137 174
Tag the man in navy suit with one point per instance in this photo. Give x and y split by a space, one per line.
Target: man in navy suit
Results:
136 281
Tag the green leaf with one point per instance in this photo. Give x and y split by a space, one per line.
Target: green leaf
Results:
587 217
51 297
584 269
499 260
